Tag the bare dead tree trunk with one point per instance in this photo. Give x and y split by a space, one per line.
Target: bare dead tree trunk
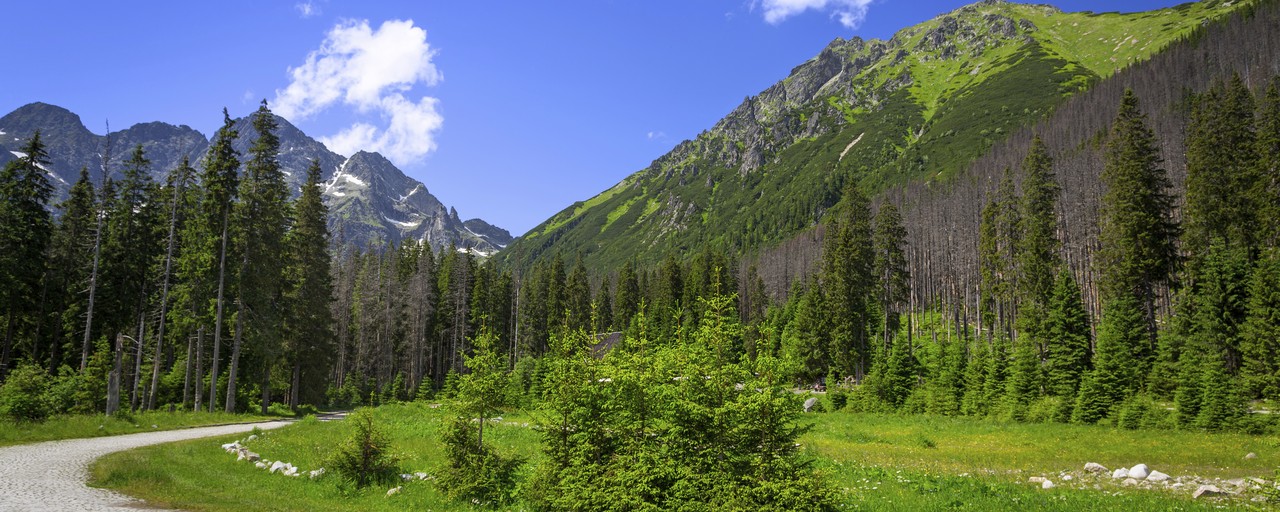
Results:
234 367
199 390
135 384
217 323
113 380
164 295
97 257
186 377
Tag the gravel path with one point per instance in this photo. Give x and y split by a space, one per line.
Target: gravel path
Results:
52 475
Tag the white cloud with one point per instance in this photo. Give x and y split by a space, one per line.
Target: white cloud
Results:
372 72
656 135
307 9
849 12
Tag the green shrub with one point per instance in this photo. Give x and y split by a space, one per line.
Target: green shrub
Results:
839 398
22 397
279 409
474 472
1047 410
60 396
364 458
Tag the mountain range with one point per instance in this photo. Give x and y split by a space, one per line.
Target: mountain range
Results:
370 200
919 108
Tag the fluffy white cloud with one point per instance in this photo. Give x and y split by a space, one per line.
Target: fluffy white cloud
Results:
372 72
849 12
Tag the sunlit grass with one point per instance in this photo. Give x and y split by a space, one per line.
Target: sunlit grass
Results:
77 426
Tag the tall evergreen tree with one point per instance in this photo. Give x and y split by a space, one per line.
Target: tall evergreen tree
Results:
1221 169
890 239
848 281
261 219
1136 229
628 302
1066 331
1260 335
1038 248
1266 193
1116 372
309 339
70 258
25 230
209 246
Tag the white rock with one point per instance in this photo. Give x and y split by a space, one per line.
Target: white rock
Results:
1250 455
393 491
1208 490
231 447
1140 471
1129 482
808 404
290 471
1094 467
1157 476
420 475
261 465
406 477
252 437
1037 480
1066 478
277 466
1120 473
1048 484
317 473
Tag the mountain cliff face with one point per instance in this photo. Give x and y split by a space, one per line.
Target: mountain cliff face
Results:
917 108
369 199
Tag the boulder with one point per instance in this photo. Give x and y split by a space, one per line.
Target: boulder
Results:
1140 471
1120 473
1156 476
252 437
1036 480
289 470
808 404
1094 467
420 475
231 447
245 454
1250 456
261 465
316 473
278 466
1129 482
1208 491
406 477
1066 478
393 491
1047 484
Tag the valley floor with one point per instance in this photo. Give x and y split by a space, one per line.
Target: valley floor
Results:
879 462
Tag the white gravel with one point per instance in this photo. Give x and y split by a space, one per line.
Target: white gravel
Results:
52 475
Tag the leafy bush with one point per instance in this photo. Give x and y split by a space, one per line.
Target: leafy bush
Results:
22 396
365 457
838 398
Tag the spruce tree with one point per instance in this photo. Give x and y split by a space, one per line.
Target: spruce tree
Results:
628 302
309 338
211 238
1260 335
1266 192
1221 170
889 240
71 254
261 220
1038 248
1116 373
848 280
26 228
1136 228
1066 332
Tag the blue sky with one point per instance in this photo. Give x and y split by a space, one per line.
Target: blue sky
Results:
509 111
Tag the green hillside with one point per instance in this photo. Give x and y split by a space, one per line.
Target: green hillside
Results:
916 108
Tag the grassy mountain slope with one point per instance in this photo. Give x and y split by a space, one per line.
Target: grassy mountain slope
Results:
916 108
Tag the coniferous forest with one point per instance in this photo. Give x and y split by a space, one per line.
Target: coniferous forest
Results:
1116 263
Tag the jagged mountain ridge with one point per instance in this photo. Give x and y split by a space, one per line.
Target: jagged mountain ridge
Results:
916 108
390 208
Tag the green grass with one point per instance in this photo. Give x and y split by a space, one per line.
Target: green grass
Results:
881 462
78 426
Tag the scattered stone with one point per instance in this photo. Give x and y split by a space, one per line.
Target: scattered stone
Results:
316 473
1129 482
261 465
1036 480
420 475
231 447
1094 467
393 491
252 437
1257 480
153 426
1120 473
245 454
1157 476
808 404
277 466
1208 491
434 406
1066 478
406 477
1178 485
1238 482
1140 471
1251 456
1048 484
290 470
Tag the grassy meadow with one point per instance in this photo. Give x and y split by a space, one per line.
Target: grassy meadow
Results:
881 462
